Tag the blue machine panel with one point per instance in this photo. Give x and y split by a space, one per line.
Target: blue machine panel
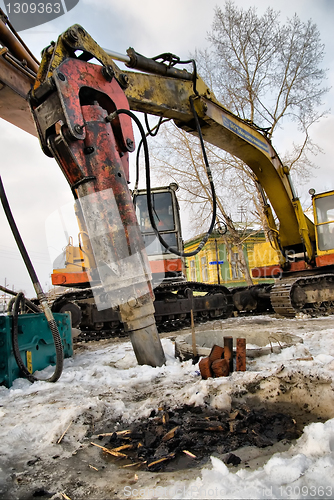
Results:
35 341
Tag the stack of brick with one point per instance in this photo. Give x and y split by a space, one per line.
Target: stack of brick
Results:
219 363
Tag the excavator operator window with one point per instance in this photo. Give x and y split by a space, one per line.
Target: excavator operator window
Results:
153 245
324 209
162 203
162 211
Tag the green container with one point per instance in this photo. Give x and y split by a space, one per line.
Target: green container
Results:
35 342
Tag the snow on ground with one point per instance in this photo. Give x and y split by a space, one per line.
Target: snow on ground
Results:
103 384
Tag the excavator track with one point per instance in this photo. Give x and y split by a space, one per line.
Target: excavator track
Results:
281 300
313 295
176 300
173 305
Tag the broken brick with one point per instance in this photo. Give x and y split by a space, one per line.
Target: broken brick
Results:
205 368
220 368
217 352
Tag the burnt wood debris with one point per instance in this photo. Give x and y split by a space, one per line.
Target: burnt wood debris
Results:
183 437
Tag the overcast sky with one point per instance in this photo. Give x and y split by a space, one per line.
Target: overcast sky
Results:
34 184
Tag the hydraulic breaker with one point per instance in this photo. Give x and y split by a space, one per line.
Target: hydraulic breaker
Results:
70 113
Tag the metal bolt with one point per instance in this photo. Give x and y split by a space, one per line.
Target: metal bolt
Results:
130 144
108 73
123 80
89 150
61 76
132 302
78 129
72 34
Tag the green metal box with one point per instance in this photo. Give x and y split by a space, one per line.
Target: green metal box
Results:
35 342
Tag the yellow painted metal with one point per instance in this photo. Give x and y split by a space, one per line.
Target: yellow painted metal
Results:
79 258
75 260
317 223
161 96
263 255
157 95
29 361
86 250
72 40
306 229
274 243
321 195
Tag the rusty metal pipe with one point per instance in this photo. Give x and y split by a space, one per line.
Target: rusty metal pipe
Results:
241 355
9 40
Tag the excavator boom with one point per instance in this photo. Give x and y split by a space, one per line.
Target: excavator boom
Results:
18 70
73 101
167 92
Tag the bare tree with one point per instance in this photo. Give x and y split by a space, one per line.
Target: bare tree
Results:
267 73
177 156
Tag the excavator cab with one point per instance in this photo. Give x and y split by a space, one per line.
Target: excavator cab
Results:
323 206
75 266
164 264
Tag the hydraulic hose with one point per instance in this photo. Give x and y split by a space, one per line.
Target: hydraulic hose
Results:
40 295
152 132
173 250
29 305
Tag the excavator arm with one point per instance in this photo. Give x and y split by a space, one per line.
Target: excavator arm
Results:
93 156
160 90
165 91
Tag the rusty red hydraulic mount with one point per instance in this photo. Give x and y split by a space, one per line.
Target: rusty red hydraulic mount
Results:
70 113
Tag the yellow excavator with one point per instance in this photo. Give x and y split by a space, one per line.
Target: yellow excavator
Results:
83 112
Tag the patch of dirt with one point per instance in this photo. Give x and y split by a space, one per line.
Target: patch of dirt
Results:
240 438
185 437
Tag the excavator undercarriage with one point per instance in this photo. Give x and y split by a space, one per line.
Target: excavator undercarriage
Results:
310 294
174 304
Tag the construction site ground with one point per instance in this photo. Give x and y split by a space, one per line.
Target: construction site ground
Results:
47 430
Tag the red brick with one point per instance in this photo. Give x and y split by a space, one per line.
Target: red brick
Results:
241 355
217 352
205 368
220 368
